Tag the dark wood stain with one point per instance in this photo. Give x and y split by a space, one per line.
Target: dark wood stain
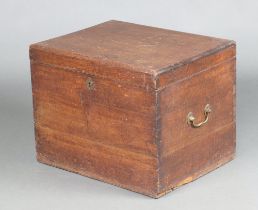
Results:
130 129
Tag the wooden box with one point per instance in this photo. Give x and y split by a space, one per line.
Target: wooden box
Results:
143 108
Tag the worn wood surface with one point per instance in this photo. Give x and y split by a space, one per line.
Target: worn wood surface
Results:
185 153
130 130
92 132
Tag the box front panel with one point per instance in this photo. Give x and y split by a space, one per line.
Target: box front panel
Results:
95 127
186 150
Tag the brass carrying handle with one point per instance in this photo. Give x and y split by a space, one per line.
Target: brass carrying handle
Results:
191 118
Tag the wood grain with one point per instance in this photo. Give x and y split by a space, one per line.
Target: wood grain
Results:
194 160
123 168
106 114
214 87
186 153
130 129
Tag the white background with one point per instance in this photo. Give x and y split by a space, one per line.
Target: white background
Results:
26 184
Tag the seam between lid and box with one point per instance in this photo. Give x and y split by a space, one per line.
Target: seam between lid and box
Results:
148 79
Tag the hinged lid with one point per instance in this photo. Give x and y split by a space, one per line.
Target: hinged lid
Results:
126 52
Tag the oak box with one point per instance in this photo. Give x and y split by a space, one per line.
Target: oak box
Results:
143 108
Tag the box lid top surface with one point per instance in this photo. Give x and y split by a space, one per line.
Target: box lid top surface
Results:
143 48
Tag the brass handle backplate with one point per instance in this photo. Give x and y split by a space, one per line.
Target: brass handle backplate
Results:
191 118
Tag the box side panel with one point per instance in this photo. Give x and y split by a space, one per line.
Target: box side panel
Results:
106 132
185 152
